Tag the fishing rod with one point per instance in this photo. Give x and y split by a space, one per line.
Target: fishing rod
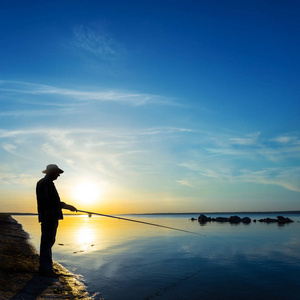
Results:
137 221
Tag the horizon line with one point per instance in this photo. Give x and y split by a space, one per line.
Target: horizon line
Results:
178 213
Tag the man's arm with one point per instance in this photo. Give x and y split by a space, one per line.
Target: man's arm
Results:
67 206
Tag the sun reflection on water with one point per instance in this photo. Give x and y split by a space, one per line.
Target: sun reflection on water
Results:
86 239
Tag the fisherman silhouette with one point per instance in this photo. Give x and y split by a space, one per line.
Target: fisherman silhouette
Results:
49 211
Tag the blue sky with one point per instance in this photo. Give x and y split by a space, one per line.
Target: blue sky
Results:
152 106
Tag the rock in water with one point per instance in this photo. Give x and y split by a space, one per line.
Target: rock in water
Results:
246 220
234 219
203 219
222 219
283 220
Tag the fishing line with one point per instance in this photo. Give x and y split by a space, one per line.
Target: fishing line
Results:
137 221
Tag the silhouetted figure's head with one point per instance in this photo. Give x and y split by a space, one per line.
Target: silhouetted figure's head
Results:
53 171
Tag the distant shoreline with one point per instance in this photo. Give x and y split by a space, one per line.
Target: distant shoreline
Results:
183 213
229 212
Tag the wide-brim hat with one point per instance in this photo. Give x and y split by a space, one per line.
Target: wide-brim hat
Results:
52 168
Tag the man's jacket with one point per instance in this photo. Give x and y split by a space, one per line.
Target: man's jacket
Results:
48 201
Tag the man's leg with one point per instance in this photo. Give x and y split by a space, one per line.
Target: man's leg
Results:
49 229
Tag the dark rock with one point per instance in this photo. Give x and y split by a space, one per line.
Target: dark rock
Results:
283 220
193 219
203 219
246 220
221 219
288 220
234 219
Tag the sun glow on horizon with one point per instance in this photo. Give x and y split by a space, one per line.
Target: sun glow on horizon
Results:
88 192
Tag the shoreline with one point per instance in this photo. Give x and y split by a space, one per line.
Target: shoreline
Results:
19 261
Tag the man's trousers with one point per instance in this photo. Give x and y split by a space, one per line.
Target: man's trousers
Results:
49 229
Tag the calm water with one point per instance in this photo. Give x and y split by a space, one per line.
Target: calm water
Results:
122 260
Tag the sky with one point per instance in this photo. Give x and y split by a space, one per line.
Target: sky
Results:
151 106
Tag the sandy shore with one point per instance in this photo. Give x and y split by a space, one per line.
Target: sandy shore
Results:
19 278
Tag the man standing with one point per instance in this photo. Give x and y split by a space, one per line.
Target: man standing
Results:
49 211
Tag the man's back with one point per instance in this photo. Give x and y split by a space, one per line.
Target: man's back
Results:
48 200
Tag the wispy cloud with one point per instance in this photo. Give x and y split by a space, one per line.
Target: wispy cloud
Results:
287 177
116 152
28 113
163 130
132 98
95 40
9 148
15 179
254 146
223 157
250 139
185 182
285 139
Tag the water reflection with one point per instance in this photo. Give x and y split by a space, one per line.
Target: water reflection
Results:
86 239
253 261
85 236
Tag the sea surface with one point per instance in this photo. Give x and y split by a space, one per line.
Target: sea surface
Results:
120 260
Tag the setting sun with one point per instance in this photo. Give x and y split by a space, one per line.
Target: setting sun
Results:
87 191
